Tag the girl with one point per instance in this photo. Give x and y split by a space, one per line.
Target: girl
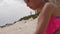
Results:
49 17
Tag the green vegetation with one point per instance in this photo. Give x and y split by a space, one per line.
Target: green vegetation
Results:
29 16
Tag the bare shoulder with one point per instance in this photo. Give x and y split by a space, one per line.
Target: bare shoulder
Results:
50 5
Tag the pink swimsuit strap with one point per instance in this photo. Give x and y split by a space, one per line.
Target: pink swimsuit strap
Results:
53 25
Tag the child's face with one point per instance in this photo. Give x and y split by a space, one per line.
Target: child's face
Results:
33 4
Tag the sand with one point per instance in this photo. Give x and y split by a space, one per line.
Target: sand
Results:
21 27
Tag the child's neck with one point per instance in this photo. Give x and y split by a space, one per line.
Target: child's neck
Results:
41 7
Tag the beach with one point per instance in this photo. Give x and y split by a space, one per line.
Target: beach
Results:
20 27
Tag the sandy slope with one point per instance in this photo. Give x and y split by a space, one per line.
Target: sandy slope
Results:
21 27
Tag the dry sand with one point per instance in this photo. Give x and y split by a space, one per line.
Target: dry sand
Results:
21 27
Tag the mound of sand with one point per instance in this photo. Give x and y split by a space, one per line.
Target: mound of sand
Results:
21 27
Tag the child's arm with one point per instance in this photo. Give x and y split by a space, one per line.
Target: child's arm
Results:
44 18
